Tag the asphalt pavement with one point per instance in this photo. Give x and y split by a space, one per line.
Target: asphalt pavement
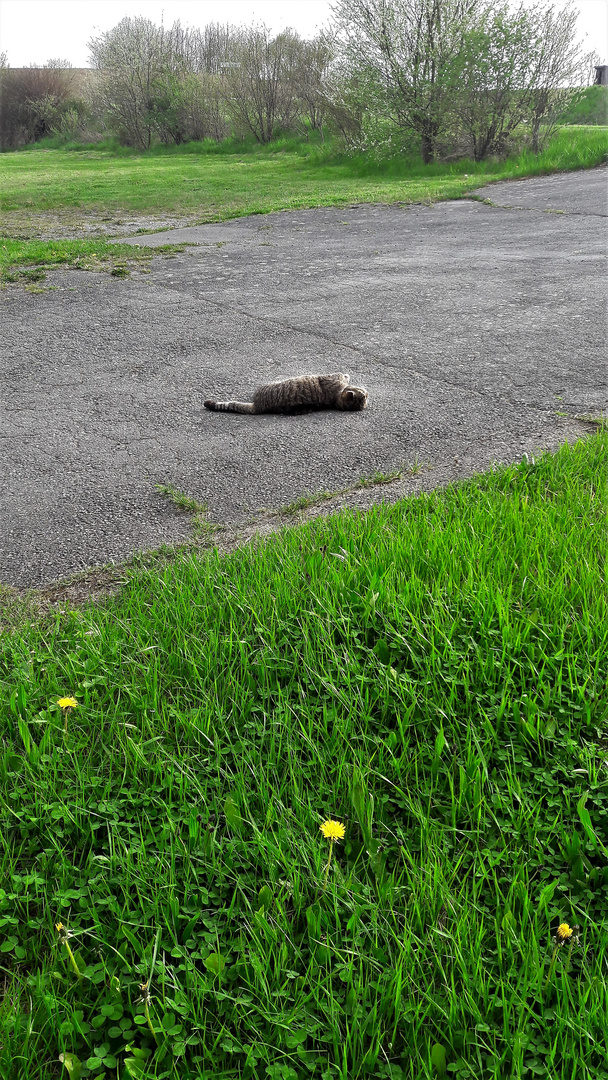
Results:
477 326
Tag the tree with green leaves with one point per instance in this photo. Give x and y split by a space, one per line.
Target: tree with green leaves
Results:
459 74
519 69
259 80
403 57
139 66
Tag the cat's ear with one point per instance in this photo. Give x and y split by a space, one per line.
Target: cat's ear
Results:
349 395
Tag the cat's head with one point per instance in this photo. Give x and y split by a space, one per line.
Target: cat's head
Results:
353 398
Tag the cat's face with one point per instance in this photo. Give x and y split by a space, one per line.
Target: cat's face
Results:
354 398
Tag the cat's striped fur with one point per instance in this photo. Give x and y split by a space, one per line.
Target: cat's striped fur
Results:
299 395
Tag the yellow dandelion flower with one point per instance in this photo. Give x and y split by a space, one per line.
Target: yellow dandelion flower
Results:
67 702
64 936
563 934
333 830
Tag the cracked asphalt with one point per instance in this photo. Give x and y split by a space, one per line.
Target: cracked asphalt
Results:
478 328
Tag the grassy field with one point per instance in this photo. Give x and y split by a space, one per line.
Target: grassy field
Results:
197 182
432 675
590 108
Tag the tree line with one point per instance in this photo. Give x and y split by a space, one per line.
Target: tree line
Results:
440 77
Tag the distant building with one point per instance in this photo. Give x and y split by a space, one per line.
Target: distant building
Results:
601 75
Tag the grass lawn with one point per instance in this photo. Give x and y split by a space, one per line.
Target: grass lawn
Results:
207 186
433 675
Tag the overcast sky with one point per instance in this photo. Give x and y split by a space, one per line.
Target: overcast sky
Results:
34 31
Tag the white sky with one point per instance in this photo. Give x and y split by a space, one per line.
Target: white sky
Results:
34 31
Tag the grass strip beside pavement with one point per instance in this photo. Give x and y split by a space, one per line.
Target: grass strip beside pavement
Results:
27 261
211 186
430 675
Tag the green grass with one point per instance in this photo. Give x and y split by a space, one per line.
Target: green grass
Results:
201 527
217 186
433 675
306 501
207 185
26 261
380 478
590 108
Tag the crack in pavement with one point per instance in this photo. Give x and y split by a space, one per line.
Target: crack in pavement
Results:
361 351
537 209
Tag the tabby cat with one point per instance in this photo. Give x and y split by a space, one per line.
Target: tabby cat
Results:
298 396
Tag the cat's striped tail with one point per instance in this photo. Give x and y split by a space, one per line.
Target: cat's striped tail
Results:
229 406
